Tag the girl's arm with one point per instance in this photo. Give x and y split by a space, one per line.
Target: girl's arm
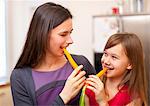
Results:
97 86
135 102
87 101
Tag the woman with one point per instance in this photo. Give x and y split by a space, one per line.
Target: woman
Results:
42 75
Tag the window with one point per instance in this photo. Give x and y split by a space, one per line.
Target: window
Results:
2 42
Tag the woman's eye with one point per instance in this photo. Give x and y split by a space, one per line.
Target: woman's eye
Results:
63 34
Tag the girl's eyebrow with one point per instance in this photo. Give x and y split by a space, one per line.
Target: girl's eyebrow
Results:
113 54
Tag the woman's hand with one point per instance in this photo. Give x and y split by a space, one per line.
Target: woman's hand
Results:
97 86
73 84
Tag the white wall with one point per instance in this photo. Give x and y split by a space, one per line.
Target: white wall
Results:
20 13
2 41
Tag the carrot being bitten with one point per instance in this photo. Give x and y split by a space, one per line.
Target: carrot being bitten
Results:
70 59
86 91
91 94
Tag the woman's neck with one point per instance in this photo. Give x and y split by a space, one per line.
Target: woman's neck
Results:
51 63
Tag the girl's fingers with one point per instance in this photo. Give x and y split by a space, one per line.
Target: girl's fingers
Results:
91 83
91 88
95 79
75 72
95 82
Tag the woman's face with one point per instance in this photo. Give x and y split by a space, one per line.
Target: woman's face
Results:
116 61
60 38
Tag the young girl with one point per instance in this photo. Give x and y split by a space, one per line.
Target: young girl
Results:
124 83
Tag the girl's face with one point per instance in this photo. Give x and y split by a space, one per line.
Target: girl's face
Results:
116 61
60 38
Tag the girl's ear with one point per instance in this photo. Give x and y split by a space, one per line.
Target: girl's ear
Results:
129 67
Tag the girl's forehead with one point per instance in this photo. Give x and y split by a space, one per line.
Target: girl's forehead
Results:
117 49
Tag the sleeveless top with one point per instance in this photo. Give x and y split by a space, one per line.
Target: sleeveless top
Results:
122 98
48 85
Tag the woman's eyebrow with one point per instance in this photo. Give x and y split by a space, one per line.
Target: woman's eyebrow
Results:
67 31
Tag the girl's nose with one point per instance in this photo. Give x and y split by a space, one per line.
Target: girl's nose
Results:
106 61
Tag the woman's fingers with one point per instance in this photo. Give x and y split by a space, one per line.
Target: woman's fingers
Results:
79 81
78 88
75 72
79 75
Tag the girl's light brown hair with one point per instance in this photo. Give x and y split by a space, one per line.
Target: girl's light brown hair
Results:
135 78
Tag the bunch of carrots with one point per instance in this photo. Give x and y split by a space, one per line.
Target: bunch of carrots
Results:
86 91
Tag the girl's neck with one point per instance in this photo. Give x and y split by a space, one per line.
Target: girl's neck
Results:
111 87
113 82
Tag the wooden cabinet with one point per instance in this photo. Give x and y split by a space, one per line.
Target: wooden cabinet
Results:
5 95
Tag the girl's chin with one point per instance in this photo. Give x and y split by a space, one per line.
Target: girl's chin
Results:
108 74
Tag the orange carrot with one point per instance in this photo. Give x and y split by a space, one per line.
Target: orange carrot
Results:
70 59
101 72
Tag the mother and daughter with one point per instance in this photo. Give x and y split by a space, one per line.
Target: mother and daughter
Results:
44 77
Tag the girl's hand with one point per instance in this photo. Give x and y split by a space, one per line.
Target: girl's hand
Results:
97 86
73 84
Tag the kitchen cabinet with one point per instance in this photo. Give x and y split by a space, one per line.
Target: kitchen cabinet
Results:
5 95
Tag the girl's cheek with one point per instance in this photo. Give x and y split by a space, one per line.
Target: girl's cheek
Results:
102 59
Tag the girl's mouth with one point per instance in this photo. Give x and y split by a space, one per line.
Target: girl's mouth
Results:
109 67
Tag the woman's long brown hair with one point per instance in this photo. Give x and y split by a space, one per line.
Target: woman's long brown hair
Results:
46 17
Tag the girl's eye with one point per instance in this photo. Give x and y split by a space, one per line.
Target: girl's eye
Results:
105 54
114 57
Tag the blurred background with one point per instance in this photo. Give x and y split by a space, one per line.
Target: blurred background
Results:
93 22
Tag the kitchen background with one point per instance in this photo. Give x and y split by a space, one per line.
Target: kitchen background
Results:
93 20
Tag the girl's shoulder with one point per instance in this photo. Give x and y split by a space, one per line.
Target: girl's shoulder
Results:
121 98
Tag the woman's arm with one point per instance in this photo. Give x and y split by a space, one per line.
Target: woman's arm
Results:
19 91
73 85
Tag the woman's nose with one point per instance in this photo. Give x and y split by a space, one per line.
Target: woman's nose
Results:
69 40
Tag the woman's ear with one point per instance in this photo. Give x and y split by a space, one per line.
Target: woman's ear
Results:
129 67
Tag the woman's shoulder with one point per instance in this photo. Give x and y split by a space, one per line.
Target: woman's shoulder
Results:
21 72
87 66
79 58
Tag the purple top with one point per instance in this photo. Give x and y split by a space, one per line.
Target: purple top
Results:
48 85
